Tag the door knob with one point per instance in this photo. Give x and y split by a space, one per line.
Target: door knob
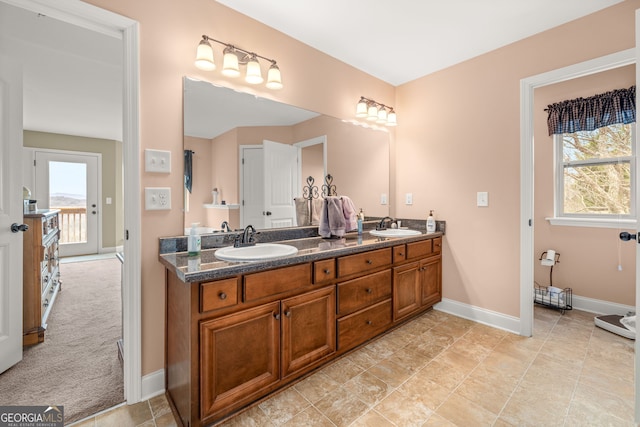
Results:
628 236
15 227
93 212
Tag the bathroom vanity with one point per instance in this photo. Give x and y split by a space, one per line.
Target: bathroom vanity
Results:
236 332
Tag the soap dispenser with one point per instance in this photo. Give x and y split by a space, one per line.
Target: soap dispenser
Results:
431 223
193 244
360 221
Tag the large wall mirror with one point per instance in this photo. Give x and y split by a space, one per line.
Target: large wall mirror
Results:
258 155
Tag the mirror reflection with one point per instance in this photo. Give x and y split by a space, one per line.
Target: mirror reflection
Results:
252 157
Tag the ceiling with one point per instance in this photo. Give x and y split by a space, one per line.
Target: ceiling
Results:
400 40
73 77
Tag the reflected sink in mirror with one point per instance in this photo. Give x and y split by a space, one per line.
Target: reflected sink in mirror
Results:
258 252
395 232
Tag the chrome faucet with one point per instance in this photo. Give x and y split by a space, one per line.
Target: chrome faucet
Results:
381 225
247 238
225 226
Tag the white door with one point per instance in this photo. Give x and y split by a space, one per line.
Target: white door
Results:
252 189
69 182
281 184
10 213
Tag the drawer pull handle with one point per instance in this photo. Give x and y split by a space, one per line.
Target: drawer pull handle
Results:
369 322
276 315
222 295
327 271
46 303
401 253
287 313
369 290
369 261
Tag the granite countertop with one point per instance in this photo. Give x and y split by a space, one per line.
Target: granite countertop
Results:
207 267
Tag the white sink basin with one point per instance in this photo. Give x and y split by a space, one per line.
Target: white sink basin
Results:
259 252
394 232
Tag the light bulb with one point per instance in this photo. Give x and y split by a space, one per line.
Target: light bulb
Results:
254 75
372 113
274 79
391 118
361 108
230 65
204 56
382 116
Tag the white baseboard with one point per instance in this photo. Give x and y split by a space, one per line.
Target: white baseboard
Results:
599 306
152 385
480 315
512 324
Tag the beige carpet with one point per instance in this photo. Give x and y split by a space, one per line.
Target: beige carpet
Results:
77 365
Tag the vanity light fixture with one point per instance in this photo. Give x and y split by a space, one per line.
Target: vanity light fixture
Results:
373 111
233 57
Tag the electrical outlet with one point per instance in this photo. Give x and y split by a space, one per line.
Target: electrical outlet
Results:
157 161
408 199
157 198
383 199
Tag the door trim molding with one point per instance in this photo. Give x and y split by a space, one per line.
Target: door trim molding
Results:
96 19
527 87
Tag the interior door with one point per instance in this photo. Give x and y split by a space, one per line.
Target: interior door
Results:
69 182
281 184
252 187
10 213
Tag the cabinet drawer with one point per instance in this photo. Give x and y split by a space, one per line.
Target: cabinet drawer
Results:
363 325
273 282
421 249
364 291
220 294
437 245
324 271
399 253
359 263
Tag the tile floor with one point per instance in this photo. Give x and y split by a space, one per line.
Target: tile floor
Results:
442 370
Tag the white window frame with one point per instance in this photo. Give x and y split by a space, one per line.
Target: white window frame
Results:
591 220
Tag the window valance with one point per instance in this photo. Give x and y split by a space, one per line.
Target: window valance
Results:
617 106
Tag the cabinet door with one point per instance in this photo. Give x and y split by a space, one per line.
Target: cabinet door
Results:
406 290
308 329
239 357
430 276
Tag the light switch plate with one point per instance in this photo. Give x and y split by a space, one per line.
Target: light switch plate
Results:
483 198
383 199
157 161
157 198
408 199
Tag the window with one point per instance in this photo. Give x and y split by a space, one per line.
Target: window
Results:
595 173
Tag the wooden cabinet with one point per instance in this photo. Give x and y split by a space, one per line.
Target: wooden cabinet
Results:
41 274
241 354
407 293
232 341
308 329
239 357
418 285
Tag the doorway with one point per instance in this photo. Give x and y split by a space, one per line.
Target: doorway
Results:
71 182
86 16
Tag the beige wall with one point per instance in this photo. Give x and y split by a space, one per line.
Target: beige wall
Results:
113 214
459 133
449 145
169 34
589 257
